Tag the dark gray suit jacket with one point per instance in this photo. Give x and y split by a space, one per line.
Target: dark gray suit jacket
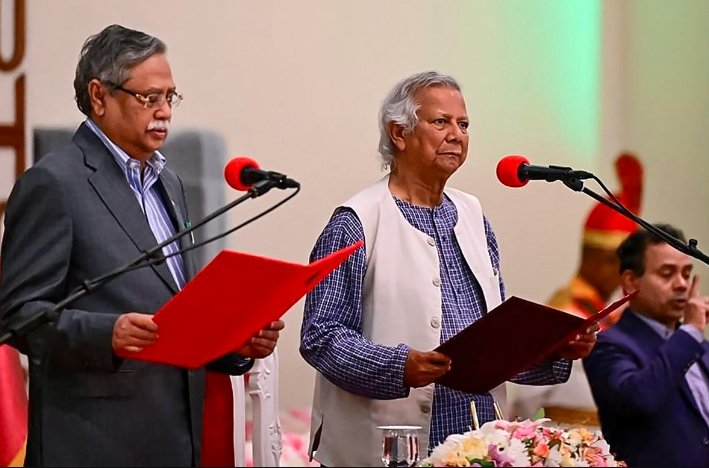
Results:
70 218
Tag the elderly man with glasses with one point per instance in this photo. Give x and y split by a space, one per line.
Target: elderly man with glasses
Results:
82 211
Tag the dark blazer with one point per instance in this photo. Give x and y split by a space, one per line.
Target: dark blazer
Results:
646 409
70 218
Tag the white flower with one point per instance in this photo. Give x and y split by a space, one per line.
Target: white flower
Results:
518 453
451 445
522 443
554 458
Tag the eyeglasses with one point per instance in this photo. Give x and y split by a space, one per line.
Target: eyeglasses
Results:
153 100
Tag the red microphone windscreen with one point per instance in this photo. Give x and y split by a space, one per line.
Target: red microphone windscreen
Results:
508 170
233 169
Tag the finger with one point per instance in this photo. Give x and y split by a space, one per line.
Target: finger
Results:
438 373
434 357
143 321
132 349
267 334
124 342
130 341
256 351
262 343
140 334
694 288
586 337
276 325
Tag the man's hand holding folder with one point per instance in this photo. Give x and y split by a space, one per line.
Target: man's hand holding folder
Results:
581 346
233 305
263 342
514 336
133 331
424 367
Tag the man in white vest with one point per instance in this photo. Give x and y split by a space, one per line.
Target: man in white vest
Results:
430 267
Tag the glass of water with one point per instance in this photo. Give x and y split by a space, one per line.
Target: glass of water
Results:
400 445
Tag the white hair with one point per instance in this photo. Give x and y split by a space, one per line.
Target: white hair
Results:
400 107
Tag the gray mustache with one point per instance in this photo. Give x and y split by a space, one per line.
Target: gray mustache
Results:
159 125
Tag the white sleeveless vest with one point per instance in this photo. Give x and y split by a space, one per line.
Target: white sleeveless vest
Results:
401 304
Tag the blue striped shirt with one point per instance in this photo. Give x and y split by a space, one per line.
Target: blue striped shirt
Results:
142 183
331 338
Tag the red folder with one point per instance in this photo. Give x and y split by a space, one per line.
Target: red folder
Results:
510 338
228 301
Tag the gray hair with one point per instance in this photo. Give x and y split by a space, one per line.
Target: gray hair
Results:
399 107
109 56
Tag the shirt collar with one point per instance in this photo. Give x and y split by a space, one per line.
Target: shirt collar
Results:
659 328
156 162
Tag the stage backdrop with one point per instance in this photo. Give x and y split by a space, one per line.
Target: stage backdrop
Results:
297 86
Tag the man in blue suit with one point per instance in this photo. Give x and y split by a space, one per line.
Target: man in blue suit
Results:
649 373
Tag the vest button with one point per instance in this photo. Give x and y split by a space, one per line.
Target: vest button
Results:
436 282
425 409
431 242
435 322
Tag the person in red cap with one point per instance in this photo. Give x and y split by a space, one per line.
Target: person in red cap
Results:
595 282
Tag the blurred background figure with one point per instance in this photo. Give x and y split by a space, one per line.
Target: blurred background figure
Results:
594 284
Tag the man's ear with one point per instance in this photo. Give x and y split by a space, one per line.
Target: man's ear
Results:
628 281
97 95
396 133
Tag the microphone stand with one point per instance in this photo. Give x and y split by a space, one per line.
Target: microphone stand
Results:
575 184
23 325
38 348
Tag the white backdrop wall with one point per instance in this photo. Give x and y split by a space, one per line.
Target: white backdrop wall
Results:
297 86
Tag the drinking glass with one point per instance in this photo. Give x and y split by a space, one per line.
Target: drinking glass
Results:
400 445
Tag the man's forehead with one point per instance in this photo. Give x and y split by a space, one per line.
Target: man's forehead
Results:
660 255
448 100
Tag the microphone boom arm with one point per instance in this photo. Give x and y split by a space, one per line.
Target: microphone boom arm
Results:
689 249
20 326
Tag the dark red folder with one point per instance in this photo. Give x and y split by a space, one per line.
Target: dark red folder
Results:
510 338
226 303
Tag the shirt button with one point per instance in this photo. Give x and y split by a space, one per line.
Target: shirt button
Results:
436 282
495 271
435 322
431 241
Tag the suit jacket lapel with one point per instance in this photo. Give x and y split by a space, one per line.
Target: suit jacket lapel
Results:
173 191
704 361
650 341
112 188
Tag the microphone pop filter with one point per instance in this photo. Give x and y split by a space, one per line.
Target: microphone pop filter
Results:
234 169
508 170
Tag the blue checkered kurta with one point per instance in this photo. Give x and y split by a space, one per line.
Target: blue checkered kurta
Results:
331 339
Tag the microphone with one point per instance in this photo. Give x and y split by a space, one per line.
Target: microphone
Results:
242 172
515 171
238 173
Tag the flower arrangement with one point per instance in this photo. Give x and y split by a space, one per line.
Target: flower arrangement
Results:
523 443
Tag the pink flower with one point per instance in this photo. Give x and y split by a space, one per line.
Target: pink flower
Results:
523 443
541 450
